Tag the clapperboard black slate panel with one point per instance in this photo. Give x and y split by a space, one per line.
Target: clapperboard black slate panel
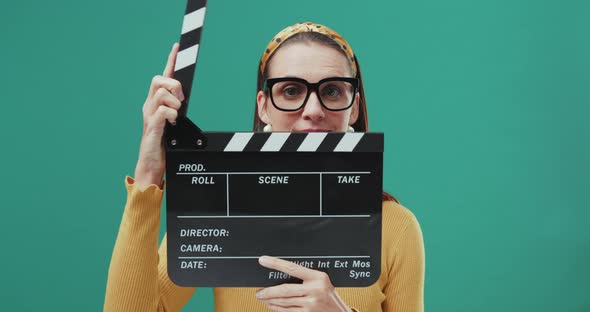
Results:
311 198
228 204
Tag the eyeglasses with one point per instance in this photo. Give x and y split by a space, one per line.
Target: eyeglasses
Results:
290 93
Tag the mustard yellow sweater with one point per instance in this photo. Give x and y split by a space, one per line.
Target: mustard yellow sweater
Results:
138 279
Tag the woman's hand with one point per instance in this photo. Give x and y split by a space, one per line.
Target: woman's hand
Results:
316 293
162 103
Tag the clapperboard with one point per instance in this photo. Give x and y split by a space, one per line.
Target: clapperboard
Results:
310 198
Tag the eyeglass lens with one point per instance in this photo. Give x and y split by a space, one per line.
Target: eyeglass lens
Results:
290 95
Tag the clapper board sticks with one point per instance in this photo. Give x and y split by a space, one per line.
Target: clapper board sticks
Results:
310 198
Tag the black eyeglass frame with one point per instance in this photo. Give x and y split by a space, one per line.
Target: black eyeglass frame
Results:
270 82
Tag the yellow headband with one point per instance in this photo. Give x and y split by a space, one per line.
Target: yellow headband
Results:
301 28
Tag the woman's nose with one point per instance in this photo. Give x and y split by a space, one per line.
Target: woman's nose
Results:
313 109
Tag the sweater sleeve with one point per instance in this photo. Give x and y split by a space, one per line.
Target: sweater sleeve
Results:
138 278
405 286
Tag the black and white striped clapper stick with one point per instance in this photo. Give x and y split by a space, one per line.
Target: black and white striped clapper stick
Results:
297 142
186 60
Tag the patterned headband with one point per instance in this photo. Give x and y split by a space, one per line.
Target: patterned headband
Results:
301 28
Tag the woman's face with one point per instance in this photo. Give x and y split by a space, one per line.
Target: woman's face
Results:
312 62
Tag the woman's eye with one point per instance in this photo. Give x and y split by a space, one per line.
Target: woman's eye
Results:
331 92
291 91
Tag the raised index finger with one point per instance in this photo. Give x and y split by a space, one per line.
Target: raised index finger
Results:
169 70
289 268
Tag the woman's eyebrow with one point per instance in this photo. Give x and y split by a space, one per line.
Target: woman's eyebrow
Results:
297 77
290 76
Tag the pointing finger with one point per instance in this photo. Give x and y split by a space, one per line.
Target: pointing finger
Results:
169 70
289 268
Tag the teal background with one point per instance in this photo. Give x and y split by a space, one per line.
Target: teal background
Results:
484 105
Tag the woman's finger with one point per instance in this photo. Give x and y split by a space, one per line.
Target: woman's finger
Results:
169 84
290 268
278 308
162 97
169 69
288 302
158 119
281 291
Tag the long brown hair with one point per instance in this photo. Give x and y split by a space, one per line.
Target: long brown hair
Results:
362 122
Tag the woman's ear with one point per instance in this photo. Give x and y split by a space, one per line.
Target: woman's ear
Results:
354 114
262 108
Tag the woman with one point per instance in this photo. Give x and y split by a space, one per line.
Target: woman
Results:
308 80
